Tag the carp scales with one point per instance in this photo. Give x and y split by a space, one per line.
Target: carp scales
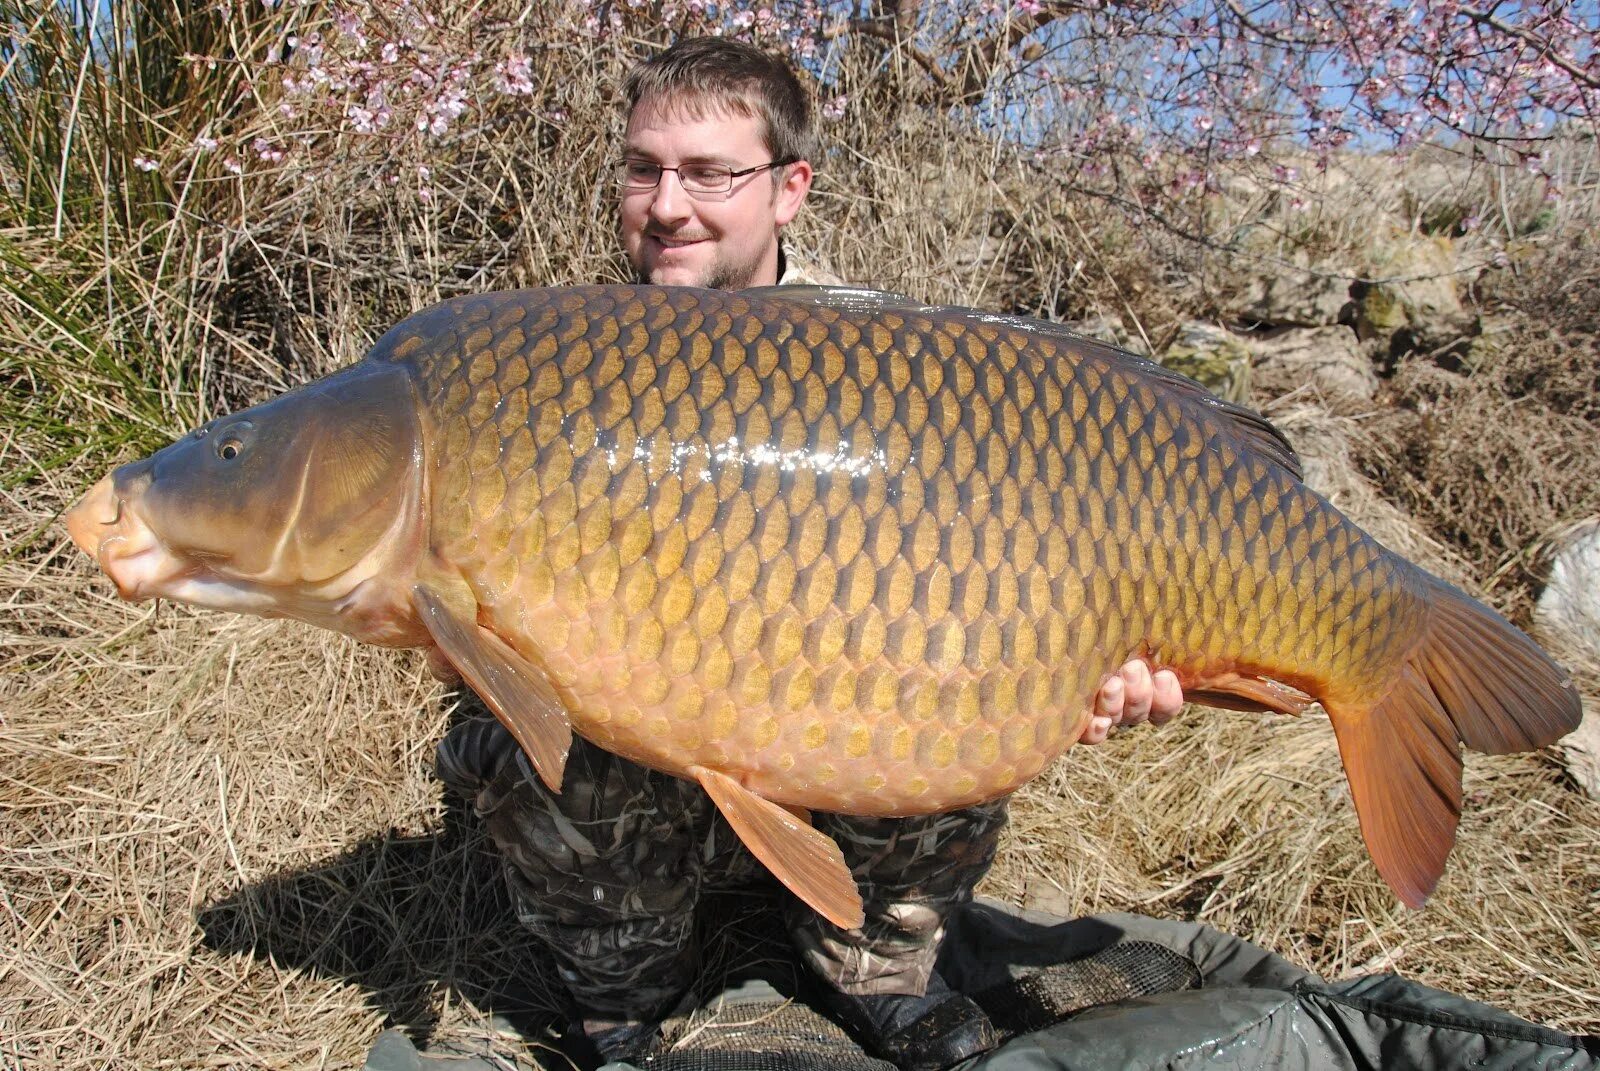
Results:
824 549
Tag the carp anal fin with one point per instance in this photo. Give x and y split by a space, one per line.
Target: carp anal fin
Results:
1472 678
516 690
803 858
1232 691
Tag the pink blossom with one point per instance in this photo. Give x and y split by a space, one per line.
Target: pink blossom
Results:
515 76
267 151
145 163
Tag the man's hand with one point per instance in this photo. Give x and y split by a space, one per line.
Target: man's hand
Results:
1134 695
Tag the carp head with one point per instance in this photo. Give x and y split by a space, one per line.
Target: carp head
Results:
306 506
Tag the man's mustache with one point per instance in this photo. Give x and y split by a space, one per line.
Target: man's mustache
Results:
677 236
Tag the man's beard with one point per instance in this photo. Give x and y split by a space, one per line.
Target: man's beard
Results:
719 276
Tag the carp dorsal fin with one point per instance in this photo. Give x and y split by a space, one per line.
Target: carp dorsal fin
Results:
516 690
1258 433
806 860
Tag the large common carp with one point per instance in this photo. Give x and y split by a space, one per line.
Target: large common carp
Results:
824 549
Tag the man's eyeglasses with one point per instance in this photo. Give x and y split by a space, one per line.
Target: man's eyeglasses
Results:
708 179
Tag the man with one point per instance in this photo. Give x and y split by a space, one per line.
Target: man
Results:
715 162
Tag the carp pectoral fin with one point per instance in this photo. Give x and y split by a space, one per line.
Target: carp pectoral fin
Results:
1404 766
516 690
804 859
1256 694
799 812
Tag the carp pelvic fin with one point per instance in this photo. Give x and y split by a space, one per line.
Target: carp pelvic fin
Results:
1473 678
514 688
804 859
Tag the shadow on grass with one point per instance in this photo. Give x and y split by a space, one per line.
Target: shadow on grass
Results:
410 918
402 917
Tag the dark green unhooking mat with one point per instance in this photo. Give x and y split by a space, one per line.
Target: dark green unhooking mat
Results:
1118 992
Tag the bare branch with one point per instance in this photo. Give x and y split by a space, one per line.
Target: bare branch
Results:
1544 46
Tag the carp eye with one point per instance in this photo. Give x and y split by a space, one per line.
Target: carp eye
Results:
229 449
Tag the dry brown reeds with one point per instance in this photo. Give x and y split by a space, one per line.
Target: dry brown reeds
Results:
224 845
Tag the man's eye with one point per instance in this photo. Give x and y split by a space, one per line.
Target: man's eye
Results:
638 169
708 175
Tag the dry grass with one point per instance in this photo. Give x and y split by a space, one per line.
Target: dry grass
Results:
1497 449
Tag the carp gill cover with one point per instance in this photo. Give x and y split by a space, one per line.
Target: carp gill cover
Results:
824 548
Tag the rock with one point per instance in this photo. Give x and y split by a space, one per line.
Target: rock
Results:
1567 621
1294 297
1213 356
1330 360
1568 610
1580 753
1413 301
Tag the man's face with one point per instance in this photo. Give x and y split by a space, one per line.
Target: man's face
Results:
721 241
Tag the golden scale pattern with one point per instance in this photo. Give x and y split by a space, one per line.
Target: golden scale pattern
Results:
875 562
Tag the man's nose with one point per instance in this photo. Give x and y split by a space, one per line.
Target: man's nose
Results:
670 204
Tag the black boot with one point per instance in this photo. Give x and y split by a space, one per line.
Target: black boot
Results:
926 1033
626 1040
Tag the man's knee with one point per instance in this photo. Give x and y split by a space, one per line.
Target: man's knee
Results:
472 754
913 873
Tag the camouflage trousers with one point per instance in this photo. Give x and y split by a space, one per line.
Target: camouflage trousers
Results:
607 873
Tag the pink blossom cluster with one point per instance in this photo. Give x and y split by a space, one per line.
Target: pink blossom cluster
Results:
1229 80
392 70
1094 81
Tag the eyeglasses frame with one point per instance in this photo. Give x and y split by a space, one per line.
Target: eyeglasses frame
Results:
732 175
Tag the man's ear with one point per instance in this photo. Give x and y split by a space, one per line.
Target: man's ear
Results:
791 192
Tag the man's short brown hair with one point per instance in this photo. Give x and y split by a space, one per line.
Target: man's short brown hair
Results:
701 72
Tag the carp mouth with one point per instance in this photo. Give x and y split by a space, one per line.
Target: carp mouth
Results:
107 529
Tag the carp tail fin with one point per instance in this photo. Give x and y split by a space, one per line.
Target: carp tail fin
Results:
1501 691
1473 678
1404 766
516 690
805 859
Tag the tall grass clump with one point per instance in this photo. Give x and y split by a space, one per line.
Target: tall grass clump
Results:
87 368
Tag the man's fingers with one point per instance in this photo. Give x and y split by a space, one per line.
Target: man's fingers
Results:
1111 700
1140 691
1099 728
1131 696
1167 699
442 668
